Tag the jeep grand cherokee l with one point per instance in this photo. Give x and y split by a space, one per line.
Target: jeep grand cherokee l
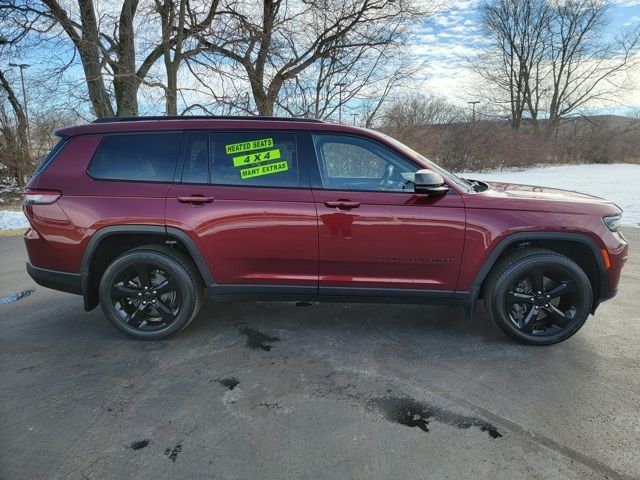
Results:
143 215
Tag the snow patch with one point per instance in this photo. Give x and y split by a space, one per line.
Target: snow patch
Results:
618 183
12 219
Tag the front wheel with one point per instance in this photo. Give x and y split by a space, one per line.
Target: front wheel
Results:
150 292
538 296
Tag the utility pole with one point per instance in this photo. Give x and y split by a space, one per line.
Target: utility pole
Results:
354 115
473 114
340 85
22 67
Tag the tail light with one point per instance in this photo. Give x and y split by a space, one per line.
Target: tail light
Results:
41 197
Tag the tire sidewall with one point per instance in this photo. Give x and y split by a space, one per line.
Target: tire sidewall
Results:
519 269
166 263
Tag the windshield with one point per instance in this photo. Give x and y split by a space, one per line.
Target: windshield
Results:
461 182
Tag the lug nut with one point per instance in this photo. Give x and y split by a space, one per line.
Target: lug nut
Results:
139 294
533 299
548 296
154 292
546 305
537 307
144 303
147 288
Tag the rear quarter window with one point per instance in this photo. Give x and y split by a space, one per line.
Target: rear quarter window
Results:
50 156
143 157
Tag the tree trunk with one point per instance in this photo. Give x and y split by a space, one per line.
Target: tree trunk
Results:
171 93
89 54
126 82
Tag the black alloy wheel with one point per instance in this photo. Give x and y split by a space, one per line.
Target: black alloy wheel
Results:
538 296
543 301
151 292
146 297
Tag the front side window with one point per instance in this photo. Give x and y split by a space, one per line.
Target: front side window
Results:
353 163
149 157
266 159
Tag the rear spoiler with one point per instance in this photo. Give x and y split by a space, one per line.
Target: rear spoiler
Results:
65 132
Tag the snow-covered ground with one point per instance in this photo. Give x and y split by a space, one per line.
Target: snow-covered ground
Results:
619 183
11 219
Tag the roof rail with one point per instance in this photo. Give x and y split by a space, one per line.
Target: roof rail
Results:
204 117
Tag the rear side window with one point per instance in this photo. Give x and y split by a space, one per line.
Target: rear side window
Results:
50 156
147 157
267 159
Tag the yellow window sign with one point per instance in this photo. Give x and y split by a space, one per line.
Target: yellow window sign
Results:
258 157
248 146
264 170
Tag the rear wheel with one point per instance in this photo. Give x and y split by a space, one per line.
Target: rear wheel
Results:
538 296
150 292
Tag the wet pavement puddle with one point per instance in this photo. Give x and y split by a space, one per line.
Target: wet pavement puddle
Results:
16 296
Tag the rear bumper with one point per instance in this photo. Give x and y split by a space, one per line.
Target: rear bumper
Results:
63 281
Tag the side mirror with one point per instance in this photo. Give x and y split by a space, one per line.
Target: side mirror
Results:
428 182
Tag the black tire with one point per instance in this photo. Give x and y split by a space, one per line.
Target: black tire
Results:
171 299
537 296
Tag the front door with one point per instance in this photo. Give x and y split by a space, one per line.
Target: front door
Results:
242 198
375 234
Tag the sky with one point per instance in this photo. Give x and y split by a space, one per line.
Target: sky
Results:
452 37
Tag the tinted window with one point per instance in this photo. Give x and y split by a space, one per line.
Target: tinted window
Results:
50 156
254 158
196 159
140 156
352 163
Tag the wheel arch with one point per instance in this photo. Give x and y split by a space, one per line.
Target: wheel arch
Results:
119 238
580 247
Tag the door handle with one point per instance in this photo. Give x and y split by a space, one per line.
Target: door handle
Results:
342 204
195 199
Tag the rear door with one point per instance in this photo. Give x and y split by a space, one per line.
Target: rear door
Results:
244 199
376 236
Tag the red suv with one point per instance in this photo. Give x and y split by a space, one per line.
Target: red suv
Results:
141 215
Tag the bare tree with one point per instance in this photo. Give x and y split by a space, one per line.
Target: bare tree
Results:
585 67
416 110
114 66
513 62
14 146
179 23
363 77
279 43
552 55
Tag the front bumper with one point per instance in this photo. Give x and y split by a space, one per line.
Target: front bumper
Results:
56 280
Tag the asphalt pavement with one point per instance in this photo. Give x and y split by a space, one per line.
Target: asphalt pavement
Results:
275 391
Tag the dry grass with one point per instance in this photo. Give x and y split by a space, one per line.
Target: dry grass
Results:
12 232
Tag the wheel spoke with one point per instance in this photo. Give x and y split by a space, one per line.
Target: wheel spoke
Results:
517 297
121 291
136 317
536 275
168 285
558 316
527 322
143 275
562 289
165 312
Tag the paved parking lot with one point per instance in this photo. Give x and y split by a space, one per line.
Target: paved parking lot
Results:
275 391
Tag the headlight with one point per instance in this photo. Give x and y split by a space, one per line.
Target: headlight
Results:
613 222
